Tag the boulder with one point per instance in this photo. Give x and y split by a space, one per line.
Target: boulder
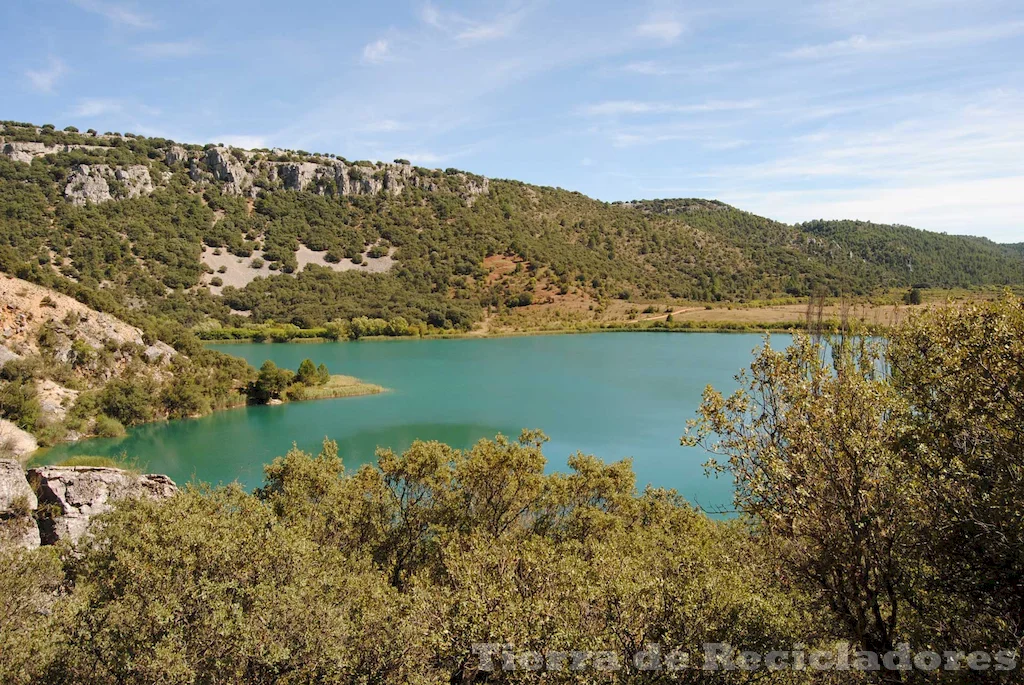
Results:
17 527
7 355
74 495
15 442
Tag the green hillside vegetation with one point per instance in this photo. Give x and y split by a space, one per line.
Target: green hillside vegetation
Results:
876 509
140 257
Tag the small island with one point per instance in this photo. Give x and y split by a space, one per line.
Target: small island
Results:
275 385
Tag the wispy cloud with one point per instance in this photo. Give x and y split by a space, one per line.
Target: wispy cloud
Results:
423 157
666 29
45 80
627 107
169 50
376 52
467 30
117 13
383 126
243 140
500 27
653 68
861 44
93 107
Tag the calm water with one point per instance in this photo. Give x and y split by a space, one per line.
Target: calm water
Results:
613 395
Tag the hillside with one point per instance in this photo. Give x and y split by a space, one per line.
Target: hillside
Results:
160 232
67 371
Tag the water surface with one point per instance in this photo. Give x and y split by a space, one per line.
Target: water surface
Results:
614 395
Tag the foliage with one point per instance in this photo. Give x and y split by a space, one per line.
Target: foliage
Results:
391 573
895 496
271 383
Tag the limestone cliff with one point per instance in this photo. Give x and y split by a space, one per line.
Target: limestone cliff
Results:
239 172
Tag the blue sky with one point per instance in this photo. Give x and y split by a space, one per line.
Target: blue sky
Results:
905 111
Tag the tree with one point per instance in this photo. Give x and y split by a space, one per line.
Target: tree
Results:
811 448
307 373
129 400
270 383
960 369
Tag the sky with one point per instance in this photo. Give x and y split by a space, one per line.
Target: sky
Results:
897 111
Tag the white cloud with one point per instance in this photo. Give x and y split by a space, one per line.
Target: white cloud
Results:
44 80
117 14
376 52
173 49
860 44
664 29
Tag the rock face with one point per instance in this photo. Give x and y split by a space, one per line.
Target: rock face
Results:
76 494
92 183
242 172
17 527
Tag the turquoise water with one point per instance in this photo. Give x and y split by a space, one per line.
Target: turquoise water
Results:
613 395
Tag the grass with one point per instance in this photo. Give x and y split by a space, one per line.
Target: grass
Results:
122 462
337 386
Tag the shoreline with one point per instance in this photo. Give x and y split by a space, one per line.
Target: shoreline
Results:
343 387
737 327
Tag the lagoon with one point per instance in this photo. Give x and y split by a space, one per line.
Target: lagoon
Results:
613 395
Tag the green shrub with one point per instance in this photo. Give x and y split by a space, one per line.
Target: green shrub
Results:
107 427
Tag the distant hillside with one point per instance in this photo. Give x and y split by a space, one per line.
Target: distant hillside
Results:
149 228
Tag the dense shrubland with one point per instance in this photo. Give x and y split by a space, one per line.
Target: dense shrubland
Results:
879 496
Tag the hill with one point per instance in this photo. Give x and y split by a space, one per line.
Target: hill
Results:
190 235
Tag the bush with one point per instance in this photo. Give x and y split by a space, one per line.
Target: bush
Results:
107 427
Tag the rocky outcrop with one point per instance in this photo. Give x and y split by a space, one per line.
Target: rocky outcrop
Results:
242 172
17 502
225 167
69 497
176 154
99 183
